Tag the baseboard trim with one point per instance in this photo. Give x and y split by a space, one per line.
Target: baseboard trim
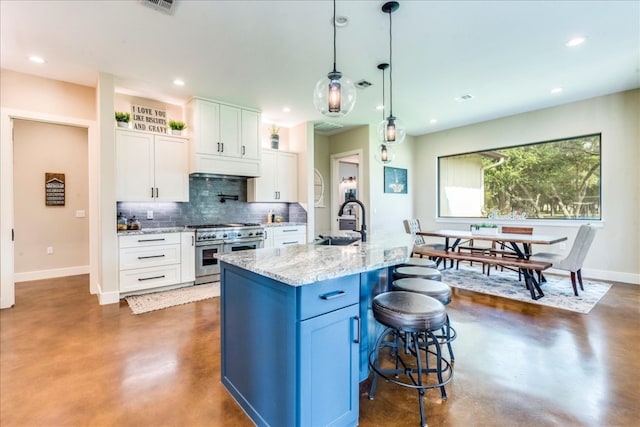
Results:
609 276
51 274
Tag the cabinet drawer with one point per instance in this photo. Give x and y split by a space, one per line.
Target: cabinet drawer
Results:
326 296
149 240
149 256
150 277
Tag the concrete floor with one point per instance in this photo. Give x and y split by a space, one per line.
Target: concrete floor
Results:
67 361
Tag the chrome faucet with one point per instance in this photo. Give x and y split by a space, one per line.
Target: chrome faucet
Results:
363 229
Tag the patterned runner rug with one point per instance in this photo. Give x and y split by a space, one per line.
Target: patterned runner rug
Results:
158 300
558 291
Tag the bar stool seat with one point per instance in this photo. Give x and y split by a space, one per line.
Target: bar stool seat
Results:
432 288
435 289
419 262
411 319
420 272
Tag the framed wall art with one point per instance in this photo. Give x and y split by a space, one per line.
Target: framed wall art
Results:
395 180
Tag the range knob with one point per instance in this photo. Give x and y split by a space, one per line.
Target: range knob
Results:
212 236
224 236
239 234
250 234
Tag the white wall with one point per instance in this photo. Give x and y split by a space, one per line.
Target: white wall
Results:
614 254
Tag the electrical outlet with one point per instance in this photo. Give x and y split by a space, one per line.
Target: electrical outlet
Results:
49 250
80 214
149 214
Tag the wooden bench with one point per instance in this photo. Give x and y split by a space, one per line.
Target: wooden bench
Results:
527 266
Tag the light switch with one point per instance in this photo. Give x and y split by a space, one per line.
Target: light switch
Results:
149 214
80 214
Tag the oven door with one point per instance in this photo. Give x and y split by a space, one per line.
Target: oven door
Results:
243 245
207 265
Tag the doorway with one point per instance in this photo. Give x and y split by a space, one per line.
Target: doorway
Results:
51 200
346 182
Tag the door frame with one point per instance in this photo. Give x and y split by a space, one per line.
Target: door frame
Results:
7 248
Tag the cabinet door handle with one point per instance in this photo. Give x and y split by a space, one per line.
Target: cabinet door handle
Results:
243 150
293 243
222 145
332 295
142 279
157 193
151 240
218 147
193 240
151 256
152 192
359 324
291 229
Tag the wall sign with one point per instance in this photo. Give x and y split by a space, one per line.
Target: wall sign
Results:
149 119
54 189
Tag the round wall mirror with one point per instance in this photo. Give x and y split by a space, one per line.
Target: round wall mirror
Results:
318 189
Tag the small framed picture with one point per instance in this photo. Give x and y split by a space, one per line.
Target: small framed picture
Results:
395 180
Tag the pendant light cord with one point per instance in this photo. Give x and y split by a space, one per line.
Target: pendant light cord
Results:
334 36
383 104
390 69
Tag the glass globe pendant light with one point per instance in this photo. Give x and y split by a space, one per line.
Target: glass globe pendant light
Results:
385 156
391 131
334 95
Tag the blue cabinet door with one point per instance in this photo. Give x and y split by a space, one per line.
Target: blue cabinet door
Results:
328 368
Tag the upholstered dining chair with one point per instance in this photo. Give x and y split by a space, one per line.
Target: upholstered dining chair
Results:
412 226
574 260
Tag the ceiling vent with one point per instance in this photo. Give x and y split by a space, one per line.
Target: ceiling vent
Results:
161 5
362 84
322 127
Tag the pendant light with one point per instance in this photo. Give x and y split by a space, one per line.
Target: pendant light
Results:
334 95
391 131
385 156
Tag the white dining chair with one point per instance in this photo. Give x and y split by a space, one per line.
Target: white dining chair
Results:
574 260
412 226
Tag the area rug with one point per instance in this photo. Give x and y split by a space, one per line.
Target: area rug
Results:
158 300
558 291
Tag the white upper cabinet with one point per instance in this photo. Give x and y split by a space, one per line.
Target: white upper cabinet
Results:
151 167
224 139
279 180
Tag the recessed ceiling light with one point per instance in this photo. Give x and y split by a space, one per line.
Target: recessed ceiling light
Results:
178 82
380 107
433 121
342 21
576 41
466 97
556 90
36 59
286 109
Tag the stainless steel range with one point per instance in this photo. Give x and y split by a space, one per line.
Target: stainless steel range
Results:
212 239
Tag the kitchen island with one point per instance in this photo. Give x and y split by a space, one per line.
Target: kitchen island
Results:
296 328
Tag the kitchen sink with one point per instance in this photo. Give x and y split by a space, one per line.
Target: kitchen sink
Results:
337 241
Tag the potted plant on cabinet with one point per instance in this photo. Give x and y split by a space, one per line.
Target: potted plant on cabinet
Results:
123 119
275 138
177 127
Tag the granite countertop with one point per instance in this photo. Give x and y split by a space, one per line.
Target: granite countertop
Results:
299 265
154 231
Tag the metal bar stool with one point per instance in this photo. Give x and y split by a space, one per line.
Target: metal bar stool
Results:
419 272
435 289
412 318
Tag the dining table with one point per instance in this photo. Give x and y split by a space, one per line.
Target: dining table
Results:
516 245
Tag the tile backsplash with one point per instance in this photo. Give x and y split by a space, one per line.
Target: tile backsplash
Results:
205 207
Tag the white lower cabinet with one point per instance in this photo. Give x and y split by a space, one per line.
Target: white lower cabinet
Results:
156 260
284 235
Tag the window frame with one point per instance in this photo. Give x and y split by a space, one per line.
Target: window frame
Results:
541 220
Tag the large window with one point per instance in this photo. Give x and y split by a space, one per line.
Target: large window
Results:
550 180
